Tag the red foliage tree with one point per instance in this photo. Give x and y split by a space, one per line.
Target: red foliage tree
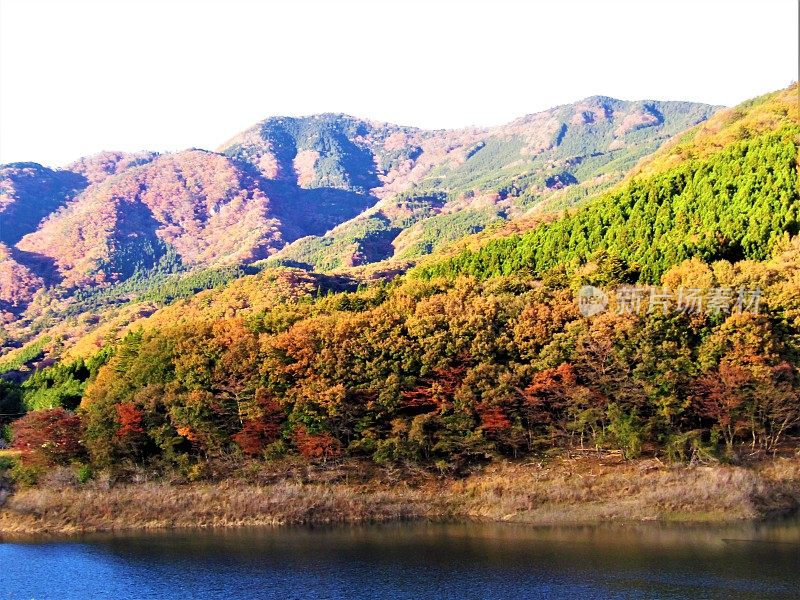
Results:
722 396
316 445
552 401
494 420
435 392
749 401
130 420
257 433
50 436
548 394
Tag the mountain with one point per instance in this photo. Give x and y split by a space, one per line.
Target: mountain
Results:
323 192
192 208
433 187
99 167
725 189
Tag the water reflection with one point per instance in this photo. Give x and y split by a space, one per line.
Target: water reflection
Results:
415 561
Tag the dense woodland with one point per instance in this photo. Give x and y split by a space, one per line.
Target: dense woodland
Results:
733 205
443 372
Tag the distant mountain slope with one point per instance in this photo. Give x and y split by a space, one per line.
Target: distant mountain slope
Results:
769 112
322 192
18 283
343 152
194 208
28 193
482 174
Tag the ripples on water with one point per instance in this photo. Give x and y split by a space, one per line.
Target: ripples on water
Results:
414 561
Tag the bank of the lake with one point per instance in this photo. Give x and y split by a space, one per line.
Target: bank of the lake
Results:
573 489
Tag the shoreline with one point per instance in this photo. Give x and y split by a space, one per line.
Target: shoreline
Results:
563 491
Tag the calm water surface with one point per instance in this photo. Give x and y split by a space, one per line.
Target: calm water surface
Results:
414 561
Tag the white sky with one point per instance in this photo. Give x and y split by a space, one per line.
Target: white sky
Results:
77 77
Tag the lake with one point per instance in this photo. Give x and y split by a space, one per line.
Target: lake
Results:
414 561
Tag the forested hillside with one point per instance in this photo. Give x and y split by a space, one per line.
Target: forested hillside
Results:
348 190
727 189
438 186
735 205
192 208
28 193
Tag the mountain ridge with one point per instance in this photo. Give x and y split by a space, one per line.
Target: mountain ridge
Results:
325 192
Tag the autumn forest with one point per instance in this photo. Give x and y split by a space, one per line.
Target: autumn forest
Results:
192 360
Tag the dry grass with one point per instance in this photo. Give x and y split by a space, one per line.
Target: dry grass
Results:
564 490
152 505
589 490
